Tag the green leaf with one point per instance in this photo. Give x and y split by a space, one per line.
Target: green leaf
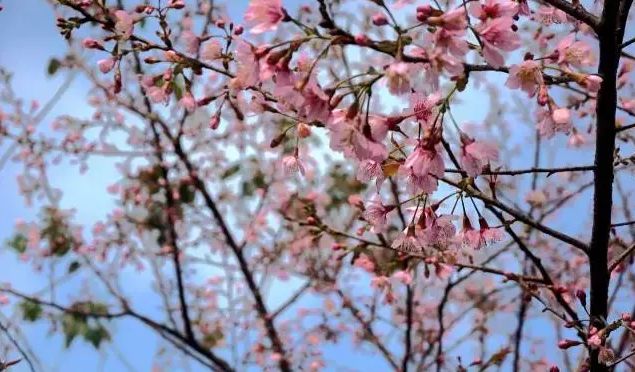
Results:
96 335
53 66
72 326
187 192
31 310
230 171
212 339
18 243
73 267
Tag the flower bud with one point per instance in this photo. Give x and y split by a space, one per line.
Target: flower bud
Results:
361 39
379 19
276 141
177 4
626 317
214 122
337 246
581 295
106 65
543 95
91 44
303 130
565 344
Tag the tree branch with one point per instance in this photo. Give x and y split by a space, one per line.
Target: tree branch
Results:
576 11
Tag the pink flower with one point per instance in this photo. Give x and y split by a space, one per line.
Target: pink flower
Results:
315 106
403 276
291 165
526 76
264 15
211 50
592 83
398 79
536 198
440 233
417 184
369 169
576 139
561 116
606 355
422 168
124 24
424 161
422 106
379 126
574 53
106 65
192 42
485 236
407 241
450 42
248 71
551 123
156 94
453 20
376 213
364 262
493 9
470 237
439 62
548 15
346 135
475 155
497 34
595 341
489 235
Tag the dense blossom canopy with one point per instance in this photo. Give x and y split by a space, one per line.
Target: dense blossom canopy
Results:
444 185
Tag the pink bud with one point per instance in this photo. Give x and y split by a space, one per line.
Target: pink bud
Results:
565 344
105 65
379 19
220 23
171 56
177 4
543 95
188 102
592 83
214 122
304 130
423 12
361 39
626 317
91 44
554 369
337 246
238 30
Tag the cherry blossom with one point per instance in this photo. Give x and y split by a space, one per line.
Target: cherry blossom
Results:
497 34
264 15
